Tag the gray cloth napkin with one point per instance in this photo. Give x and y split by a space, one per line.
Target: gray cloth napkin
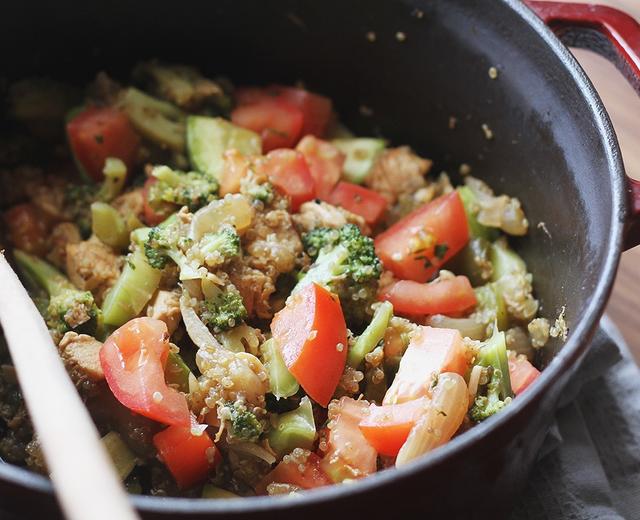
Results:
589 465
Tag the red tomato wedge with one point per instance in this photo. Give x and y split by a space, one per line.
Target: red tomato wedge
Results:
362 201
325 163
133 360
417 245
431 351
522 373
312 336
302 474
154 211
447 296
236 166
278 123
27 228
289 173
189 457
97 133
349 454
387 427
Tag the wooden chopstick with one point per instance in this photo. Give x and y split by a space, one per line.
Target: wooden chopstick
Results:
80 469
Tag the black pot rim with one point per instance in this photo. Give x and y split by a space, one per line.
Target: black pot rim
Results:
575 347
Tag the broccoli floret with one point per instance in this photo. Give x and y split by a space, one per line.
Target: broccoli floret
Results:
168 241
191 189
219 247
493 357
346 264
262 192
243 424
69 308
223 311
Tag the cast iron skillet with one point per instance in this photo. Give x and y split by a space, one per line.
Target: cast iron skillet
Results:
553 147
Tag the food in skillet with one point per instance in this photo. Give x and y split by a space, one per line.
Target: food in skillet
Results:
249 299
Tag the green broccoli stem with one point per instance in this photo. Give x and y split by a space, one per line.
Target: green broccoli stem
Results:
493 353
43 273
469 201
371 336
282 384
109 226
115 175
505 261
294 429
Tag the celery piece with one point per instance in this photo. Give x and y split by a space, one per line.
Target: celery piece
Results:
109 226
134 288
123 458
176 372
470 204
211 491
294 429
281 382
505 261
115 174
158 121
209 137
371 336
362 153
491 307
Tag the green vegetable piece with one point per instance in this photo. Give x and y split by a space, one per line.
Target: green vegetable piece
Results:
158 121
469 201
281 383
209 137
491 307
362 153
473 261
115 175
505 260
123 458
211 491
109 226
371 336
191 189
294 429
134 288
243 425
177 373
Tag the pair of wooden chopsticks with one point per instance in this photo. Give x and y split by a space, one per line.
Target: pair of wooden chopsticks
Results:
81 471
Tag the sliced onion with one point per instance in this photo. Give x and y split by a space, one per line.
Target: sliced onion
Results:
232 209
468 327
256 450
198 331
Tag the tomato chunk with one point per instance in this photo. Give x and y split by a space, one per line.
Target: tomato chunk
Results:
431 351
417 245
325 163
189 456
304 474
278 123
312 336
289 173
27 228
522 373
362 201
349 454
133 360
387 427
447 296
100 132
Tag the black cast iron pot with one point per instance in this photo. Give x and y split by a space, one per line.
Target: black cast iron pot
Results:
553 147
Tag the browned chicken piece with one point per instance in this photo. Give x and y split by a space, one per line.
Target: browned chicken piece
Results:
81 356
61 235
165 306
272 244
49 196
130 203
255 288
316 213
93 266
398 171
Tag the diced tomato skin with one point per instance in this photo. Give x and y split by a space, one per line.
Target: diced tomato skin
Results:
418 244
154 214
431 351
100 132
316 109
312 335
450 296
289 173
133 360
288 472
522 373
387 427
278 123
189 458
236 166
362 201
325 163
27 228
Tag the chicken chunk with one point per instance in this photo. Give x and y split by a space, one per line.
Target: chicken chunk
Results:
81 356
255 287
93 266
165 306
62 234
130 203
316 213
398 171
272 244
49 196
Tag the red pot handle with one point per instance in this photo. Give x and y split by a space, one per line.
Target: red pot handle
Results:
622 32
